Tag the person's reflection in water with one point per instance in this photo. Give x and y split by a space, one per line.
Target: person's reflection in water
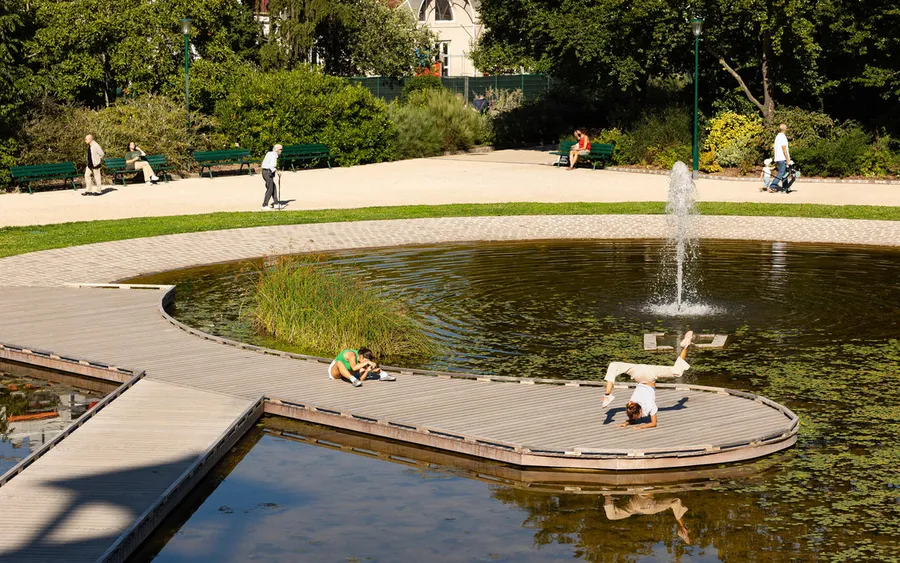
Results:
646 504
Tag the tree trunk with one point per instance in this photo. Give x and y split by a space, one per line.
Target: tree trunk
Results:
768 109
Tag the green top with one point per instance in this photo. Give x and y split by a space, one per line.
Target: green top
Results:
128 156
340 358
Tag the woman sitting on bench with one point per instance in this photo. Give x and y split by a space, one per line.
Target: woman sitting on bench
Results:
582 147
133 162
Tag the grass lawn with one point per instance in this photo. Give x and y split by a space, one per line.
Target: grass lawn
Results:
19 240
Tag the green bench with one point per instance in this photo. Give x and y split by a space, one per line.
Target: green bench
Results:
292 153
563 152
208 159
601 153
37 172
118 168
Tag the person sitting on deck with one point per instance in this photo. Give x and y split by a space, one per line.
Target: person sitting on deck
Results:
643 399
356 365
582 147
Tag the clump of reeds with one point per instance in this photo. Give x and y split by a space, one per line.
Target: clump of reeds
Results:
323 309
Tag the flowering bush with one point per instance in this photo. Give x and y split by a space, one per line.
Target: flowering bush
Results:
734 139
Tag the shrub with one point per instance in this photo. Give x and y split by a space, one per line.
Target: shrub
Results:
502 101
155 123
418 134
305 106
734 138
881 159
708 162
804 127
321 310
615 136
841 154
459 126
419 83
659 139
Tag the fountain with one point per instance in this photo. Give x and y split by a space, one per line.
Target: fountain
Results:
676 273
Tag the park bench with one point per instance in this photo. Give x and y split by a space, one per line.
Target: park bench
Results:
293 153
37 172
601 153
563 152
208 159
118 168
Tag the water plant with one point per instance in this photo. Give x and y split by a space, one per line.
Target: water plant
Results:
322 308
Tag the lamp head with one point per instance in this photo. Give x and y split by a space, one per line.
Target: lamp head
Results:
697 26
186 25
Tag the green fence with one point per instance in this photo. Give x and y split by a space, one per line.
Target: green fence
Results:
532 85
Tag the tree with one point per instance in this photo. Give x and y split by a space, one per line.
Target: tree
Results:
15 79
352 37
89 49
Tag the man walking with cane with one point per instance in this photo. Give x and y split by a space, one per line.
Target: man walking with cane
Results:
93 185
269 169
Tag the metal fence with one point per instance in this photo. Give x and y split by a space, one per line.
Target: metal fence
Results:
532 85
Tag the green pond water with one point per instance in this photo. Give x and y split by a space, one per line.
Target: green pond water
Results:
812 327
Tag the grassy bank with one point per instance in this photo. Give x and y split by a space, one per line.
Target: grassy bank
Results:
19 240
321 309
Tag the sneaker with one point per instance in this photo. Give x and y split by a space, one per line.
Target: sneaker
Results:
154 178
148 182
607 399
87 193
688 338
265 208
278 206
385 376
356 382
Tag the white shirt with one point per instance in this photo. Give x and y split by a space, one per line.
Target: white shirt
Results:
270 161
645 396
780 143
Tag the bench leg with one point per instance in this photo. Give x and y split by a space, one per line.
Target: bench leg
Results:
328 162
71 180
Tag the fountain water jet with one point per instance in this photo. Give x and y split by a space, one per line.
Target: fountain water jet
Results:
681 250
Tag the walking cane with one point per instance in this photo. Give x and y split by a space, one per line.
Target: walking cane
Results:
280 205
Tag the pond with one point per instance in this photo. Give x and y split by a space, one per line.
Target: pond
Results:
812 327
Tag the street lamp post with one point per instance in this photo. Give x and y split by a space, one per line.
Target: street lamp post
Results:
697 28
186 31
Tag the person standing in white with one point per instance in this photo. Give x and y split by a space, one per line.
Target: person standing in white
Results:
269 169
782 157
643 399
92 182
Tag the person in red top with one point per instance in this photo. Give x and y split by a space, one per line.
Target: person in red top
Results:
582 147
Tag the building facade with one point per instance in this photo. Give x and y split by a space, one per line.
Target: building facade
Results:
456 23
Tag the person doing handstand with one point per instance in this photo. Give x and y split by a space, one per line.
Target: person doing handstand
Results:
643 399
355 366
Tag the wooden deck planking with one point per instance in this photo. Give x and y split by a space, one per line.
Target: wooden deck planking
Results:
552 412
75 500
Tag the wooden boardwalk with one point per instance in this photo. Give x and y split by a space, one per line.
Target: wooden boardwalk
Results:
197 387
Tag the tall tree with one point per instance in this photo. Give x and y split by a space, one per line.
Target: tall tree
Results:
351 37
87 49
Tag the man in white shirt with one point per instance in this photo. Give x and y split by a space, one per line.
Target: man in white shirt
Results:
269 169
782 157
643 399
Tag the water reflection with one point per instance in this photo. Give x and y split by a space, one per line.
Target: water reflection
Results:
294 492
647 504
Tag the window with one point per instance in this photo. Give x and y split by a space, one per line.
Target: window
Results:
443 11
444 57
423 12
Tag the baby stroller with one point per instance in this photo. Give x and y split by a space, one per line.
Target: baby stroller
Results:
791 173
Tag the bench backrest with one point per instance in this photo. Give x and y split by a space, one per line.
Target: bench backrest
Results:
155 160
43 170
301 150
566 146
227 154
602 149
